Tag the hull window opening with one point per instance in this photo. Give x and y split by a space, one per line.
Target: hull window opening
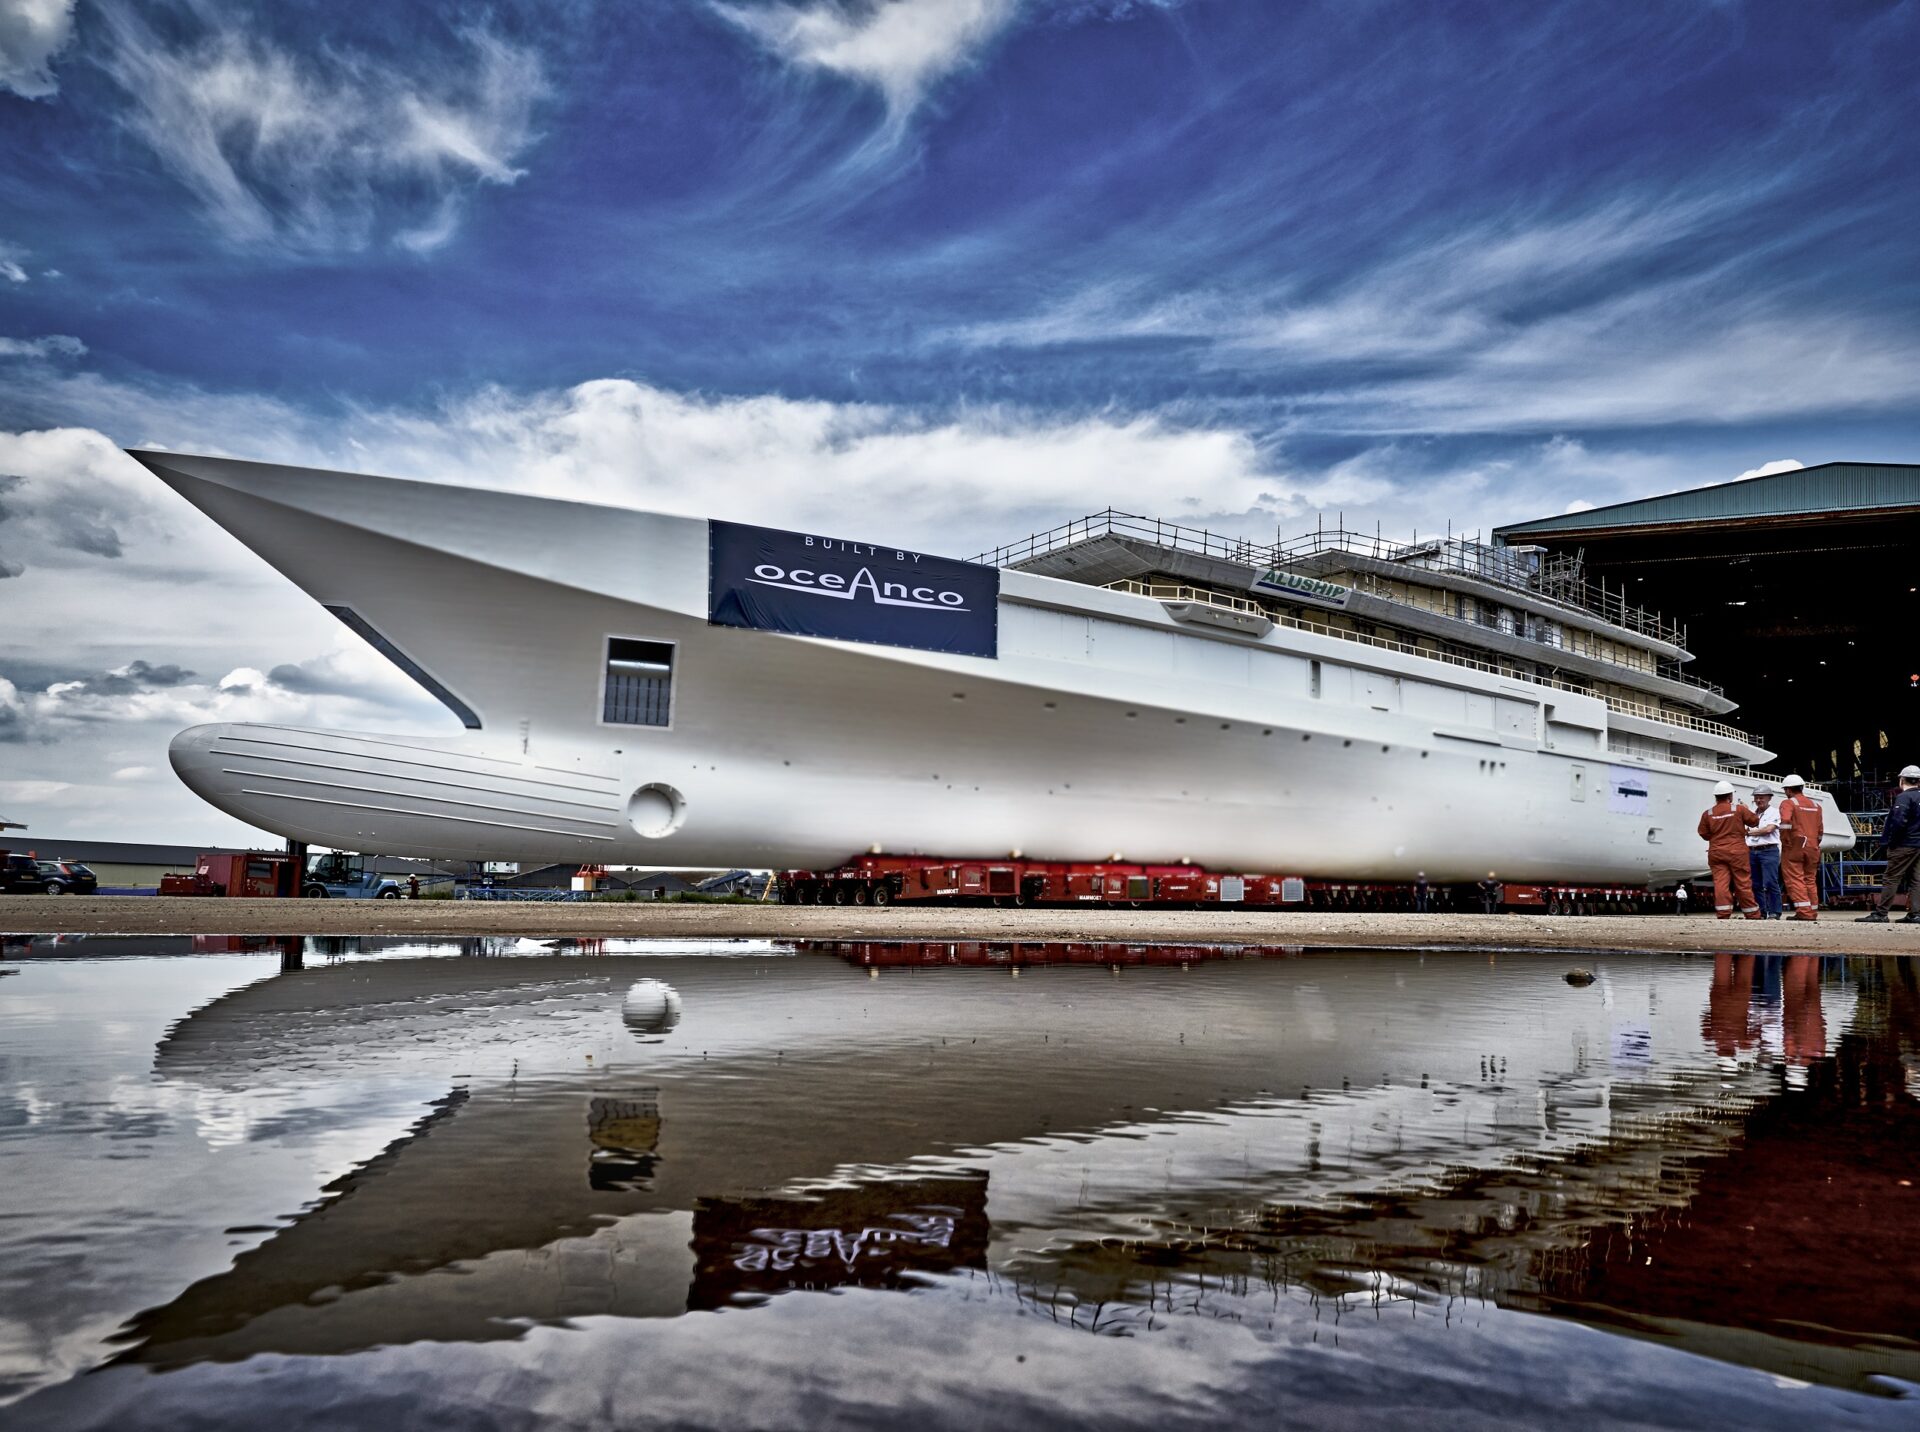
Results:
639 688
360 627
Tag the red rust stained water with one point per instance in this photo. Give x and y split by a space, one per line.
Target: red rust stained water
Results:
506 1183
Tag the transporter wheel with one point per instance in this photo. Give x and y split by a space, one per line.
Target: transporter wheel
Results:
314 892
862 894
840 895
1553 905
882 895
822 895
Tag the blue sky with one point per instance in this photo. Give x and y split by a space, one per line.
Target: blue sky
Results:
935 270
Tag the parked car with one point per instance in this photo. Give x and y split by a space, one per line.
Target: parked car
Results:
21 875
68 877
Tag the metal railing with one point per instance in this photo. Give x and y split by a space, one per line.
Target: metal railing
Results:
1460 556
1685 720
1113 522
1730 768
1501 566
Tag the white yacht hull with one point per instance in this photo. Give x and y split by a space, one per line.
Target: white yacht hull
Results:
1103 728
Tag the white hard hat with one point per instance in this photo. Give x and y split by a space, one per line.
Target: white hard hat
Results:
1792 781
1910 773
1723 789
1763 789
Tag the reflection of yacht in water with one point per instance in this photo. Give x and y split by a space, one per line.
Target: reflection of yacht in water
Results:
646 689
1253 1119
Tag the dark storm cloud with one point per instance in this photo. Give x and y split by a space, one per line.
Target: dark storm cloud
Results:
302 678
81 532
131 679
36 515
326 676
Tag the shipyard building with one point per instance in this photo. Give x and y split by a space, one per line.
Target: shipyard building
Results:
1793 588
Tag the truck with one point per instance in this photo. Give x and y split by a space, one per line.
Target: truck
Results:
341 876
239 875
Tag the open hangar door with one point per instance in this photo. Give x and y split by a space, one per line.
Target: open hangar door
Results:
1800 592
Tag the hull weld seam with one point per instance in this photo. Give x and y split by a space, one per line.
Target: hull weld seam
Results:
392 775
421 795
401 760
424 815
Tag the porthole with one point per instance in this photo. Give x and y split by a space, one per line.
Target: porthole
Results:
656 810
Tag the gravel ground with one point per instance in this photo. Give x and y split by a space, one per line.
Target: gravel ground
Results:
1836 934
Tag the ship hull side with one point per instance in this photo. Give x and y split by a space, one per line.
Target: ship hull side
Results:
1090 737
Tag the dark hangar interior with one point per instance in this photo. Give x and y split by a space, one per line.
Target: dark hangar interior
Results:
1799 591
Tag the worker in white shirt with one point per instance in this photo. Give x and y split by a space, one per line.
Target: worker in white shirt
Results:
1763 853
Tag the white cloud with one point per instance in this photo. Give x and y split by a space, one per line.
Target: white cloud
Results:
137 693
52 345
11 269
25 791
133 773
954 485
1579 504
1767 469
899 47
32 32
326 152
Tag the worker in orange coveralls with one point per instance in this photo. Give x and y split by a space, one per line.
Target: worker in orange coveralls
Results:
1801 1020
1802 822
1729 1023
1724 828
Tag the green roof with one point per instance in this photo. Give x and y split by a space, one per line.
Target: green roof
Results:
1832 487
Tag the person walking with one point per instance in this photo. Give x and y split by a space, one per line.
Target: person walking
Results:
1723 826
1763 853
1901 836
1492 894
1802 823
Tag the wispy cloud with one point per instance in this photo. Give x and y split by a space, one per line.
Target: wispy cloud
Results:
32 32
1625 312
327 150
50 345
901 48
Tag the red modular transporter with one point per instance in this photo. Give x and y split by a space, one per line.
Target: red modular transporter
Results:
920 954
891 879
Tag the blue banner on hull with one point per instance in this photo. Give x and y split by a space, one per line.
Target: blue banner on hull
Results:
766 580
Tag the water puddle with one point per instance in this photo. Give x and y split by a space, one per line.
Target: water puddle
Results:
504 1182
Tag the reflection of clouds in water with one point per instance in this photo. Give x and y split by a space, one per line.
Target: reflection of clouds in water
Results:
334 1124
651 1009
1316 1014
